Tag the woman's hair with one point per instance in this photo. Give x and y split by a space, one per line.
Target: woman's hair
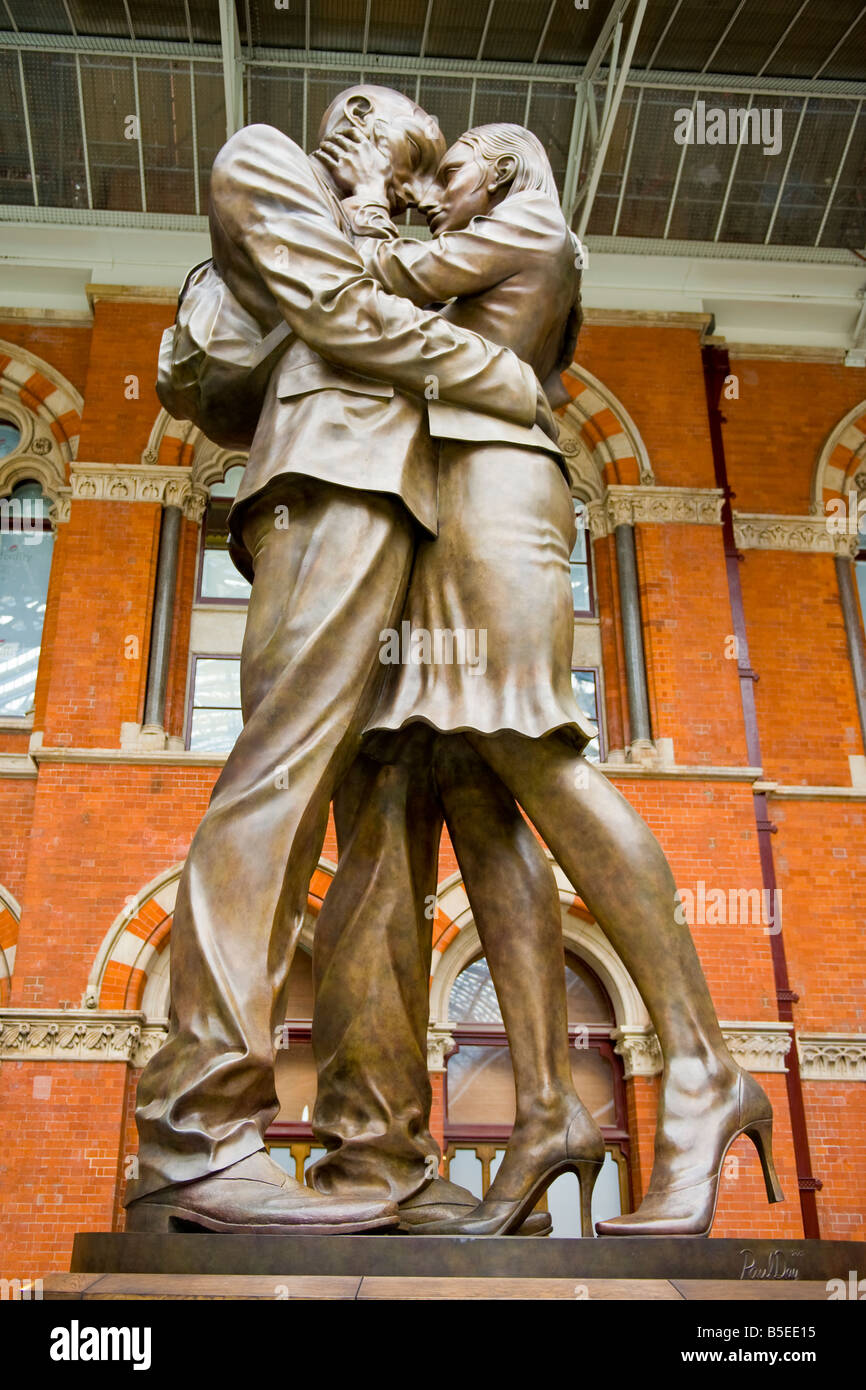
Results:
533 169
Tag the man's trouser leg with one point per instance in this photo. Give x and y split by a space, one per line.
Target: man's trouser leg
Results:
323 590
371 966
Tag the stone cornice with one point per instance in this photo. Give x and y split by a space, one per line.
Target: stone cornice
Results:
17 765
624 505
832 1056
170 487
809 534
78 1035
758 1047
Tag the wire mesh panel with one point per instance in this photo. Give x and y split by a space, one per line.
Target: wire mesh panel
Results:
448 99
759 177
397 27
826 125
276 97
321 89
615 165
16 184
456 27
55 128
40 16
551 112
500 101
210 119
846 219
654 163
571 33
112 133
165 100
264 26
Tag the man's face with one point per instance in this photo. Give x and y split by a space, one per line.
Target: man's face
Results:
459 191
410 153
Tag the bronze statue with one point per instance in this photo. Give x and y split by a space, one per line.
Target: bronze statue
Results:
326 354
503 254
351 457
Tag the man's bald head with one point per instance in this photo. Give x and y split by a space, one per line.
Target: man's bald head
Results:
401 130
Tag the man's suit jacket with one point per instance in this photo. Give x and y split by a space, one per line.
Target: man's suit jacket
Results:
281 243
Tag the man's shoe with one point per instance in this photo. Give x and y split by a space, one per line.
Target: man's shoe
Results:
446 1201
255 1196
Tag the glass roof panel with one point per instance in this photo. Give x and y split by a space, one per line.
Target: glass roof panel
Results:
456 27
397 28
39 16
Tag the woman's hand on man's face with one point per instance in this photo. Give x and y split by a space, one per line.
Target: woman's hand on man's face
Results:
358 165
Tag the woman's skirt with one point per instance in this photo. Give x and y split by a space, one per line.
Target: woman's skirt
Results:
487 632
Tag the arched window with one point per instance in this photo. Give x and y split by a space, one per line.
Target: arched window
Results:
479 1090
26 544
218 580
10 437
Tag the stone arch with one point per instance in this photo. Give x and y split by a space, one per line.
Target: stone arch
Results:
180 443
10 916
602 443
46 408
841 465
131 969
456 944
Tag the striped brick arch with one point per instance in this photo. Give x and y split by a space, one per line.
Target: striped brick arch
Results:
456 944
597 430
181 444
47 410
10 915
841 465
133 958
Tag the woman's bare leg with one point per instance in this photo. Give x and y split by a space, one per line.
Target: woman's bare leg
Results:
620 871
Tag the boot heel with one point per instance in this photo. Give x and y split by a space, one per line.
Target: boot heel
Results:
761 1135
587 1171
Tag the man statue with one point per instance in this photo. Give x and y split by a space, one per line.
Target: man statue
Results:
348 458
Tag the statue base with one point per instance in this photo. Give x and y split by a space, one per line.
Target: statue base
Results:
404 1266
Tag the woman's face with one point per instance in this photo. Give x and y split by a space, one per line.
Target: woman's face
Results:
459 192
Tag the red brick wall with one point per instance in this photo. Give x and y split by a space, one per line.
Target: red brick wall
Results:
805 697
776 430
66 348
104 605
99 834
58 1159
125 343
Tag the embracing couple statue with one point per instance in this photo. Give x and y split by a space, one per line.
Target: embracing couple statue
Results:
403 467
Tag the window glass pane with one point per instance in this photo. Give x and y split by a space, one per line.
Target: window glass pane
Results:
584 683
860 569
214 730
295 1078
10 437
220 579
581 586
593 1080
473 998
217 683
586 999
230 483
481 1086
25 562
